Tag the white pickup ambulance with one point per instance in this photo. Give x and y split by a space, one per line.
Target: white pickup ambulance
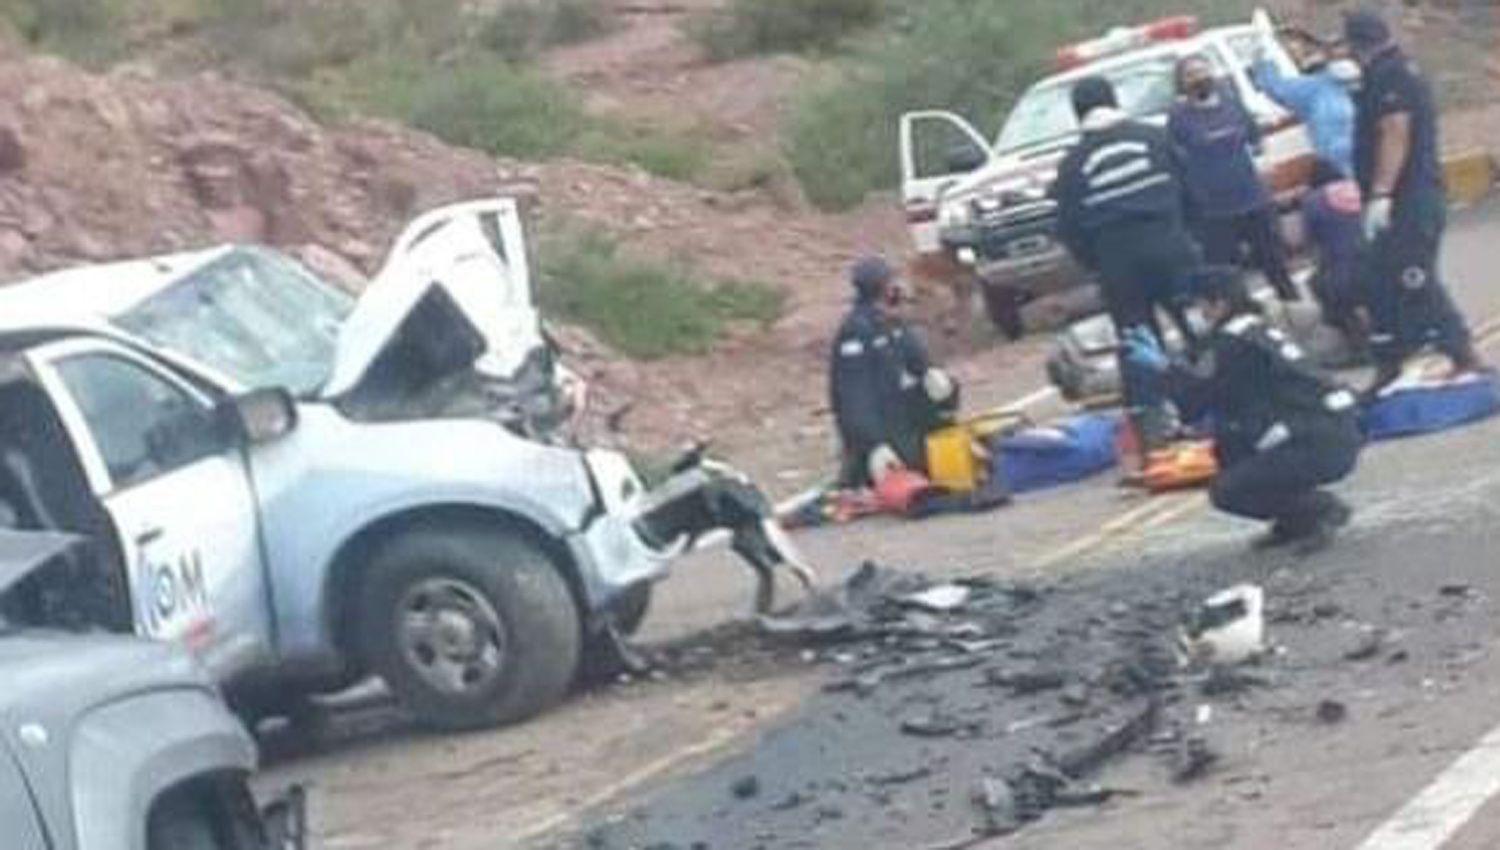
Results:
976 206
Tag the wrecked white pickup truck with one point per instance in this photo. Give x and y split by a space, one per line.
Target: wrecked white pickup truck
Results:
307 490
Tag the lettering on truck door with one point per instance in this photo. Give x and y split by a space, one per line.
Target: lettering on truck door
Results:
178 493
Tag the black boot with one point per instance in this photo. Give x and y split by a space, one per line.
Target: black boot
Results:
1333 514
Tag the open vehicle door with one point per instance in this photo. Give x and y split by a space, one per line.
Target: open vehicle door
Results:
475 253
177 492
937 150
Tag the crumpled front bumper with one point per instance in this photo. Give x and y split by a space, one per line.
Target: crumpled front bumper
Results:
612 556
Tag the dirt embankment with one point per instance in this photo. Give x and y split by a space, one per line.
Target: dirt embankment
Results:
97 167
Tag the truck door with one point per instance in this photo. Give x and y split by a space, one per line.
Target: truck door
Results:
178 493
937 149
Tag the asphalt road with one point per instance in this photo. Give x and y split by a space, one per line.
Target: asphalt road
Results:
650 764
1412 765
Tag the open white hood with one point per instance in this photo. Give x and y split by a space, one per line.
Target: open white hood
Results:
476 254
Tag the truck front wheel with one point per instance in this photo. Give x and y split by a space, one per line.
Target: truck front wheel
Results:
470 627
1003 305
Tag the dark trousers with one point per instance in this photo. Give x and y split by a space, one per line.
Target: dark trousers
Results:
1409 305
1282 484
1249 240
1143 266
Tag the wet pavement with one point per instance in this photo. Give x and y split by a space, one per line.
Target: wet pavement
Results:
1398 614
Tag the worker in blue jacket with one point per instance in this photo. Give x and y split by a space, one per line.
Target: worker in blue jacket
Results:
1230 207
886 393
1320 98
1282 432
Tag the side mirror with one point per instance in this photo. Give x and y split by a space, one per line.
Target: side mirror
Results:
965 157
263 416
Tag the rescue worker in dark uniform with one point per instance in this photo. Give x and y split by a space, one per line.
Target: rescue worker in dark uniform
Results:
1120 213
887 395
1281 431
1396 161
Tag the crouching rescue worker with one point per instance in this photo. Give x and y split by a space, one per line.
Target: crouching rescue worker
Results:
887 396
1120 214
1282 432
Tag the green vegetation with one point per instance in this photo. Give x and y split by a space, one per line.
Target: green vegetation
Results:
970 57
517 30
643 309
81 29
745 27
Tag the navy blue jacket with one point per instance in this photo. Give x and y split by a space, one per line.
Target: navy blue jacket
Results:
875 386
1257 385
1121 172
1214 142
1393 85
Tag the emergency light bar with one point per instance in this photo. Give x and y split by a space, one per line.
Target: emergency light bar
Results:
1122 39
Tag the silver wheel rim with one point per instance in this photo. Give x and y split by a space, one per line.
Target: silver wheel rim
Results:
451 636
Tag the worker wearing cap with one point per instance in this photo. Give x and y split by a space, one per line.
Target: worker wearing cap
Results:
1281 432
1120 213
1396 162
886 393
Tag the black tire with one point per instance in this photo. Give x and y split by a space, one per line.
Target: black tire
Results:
1003 305
502 592
180 823
205 815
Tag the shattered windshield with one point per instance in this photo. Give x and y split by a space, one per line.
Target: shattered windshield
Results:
1046 112
254 316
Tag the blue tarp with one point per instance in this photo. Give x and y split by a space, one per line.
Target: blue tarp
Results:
1423 408
1077 448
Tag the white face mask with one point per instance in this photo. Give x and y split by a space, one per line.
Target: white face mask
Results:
1345 71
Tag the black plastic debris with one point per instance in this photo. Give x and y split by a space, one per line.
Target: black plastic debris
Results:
1192 760
745 788
934 725
1367 645
1114 740
794 800
1223 681
1022 683
899 777
1332 711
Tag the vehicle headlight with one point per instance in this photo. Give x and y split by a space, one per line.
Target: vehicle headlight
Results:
954 215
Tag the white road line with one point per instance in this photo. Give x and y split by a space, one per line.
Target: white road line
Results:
1432 817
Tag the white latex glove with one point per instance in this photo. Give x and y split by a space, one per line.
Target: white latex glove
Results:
1378 216
883 460
1262 22
938 385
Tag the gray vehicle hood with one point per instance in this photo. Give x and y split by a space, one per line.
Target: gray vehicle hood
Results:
55 676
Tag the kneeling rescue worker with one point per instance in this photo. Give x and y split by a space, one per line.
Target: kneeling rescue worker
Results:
1282 432
886 394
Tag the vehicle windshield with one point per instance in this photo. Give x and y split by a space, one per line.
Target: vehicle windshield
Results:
1145 87
254 315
